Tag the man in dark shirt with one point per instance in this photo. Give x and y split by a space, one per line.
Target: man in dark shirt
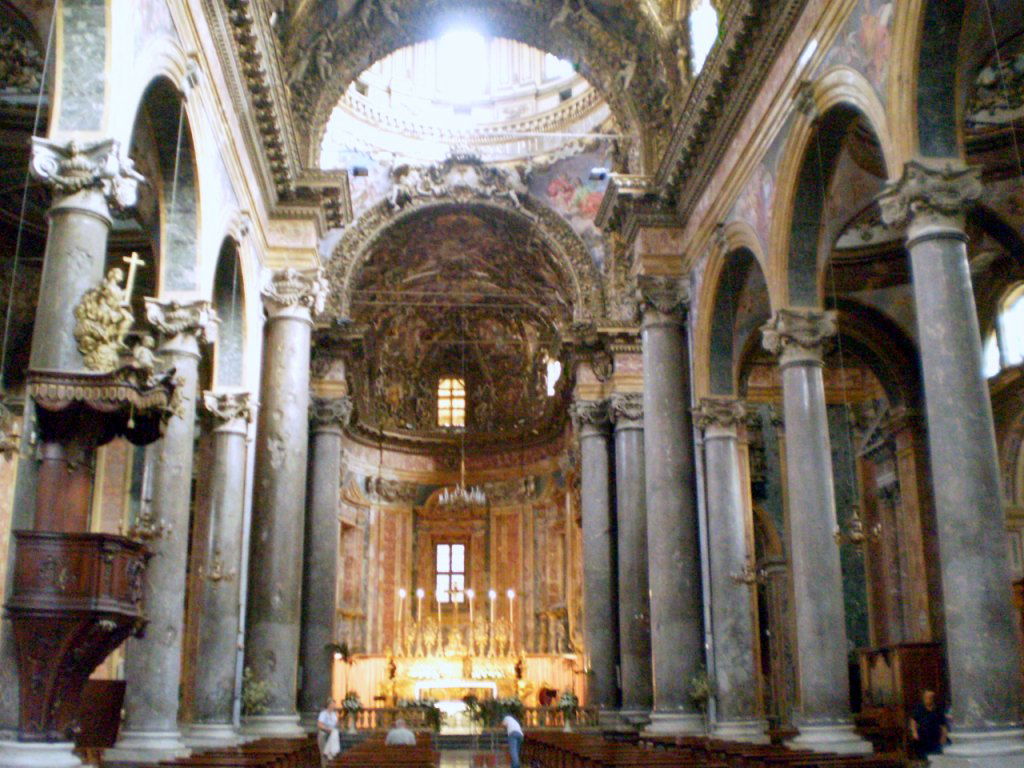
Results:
928 727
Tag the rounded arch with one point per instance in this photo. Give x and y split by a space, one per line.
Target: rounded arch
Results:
573 259
163 146
738 252
840 97
326 61
229 301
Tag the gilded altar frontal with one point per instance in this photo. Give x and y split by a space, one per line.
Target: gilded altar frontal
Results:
555 382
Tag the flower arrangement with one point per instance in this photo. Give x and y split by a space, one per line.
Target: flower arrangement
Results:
490 712
568 702
351 703
433 717
255 693
700 690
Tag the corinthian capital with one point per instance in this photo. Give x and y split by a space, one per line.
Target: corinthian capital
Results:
798 334
227 407
627 409
719 413
933 193
667 296
72 167
590 414
191 318
326 412
292 289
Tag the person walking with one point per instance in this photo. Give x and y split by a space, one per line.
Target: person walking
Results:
515 739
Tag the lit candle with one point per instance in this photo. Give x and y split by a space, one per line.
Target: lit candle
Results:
419 605
492 596
402 594
511 594
437 594
470 594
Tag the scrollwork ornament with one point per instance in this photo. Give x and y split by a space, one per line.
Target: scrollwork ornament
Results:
73 167
933 193
226 407
668 296
798 333
291 288
326 412
627 409
193 318
590 413
719 413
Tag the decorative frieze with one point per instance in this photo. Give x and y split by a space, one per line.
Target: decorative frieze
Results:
291 289
388 491
798 334
73 167
191 318
719 413
627 409
330 412
931 194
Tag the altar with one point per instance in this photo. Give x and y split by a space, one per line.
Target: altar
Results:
440 690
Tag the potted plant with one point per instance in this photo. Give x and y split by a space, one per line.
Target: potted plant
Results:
568 704
700 694
351 705
255 693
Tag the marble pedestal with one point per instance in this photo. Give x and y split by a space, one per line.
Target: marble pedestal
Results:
30 754
675 723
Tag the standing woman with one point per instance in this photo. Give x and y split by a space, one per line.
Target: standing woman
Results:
515 739
327 726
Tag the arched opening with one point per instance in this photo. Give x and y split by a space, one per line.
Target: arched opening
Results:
229 303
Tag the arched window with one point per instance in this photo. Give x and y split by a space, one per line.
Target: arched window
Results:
451 403
1004 346
703 32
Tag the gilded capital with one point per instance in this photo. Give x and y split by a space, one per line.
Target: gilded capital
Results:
627 409
190 318
932 193
226 407
719 412
798 334
665 295
291 289
326 412
73 167
592 414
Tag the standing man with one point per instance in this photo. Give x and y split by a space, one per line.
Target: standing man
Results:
326 725
515 739
929 731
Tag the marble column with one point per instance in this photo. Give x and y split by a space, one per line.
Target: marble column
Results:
982 655
152 668
327 419
627 414
673 545
601 619
278 513
86 180
231 413
737 712
823 711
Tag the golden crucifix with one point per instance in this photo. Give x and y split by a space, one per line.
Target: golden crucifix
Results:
133 262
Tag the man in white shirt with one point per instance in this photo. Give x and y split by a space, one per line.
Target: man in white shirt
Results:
515 739
400 736
326 723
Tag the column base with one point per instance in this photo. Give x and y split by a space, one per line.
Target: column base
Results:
992 749
146 747
676 723
747 731
38 754
281 726
836 737
635 718
211 735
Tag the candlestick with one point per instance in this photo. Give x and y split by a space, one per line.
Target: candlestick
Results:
511 594
437 594
470 594
492 596
419 605
402 594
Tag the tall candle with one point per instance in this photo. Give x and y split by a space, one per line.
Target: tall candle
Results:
419 605
492 596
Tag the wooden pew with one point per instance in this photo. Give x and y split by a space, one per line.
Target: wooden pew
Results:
373 753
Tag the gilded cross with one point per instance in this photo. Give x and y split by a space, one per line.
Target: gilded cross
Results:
133 262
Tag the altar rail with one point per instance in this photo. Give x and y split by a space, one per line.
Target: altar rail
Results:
382 718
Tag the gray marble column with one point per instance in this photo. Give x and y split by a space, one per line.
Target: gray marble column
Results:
823 711
601 621
327 418
737 713
152 669
673 546
216 659
278 512
982 655
627 413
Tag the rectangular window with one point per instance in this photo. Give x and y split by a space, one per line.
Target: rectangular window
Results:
451 403
450 565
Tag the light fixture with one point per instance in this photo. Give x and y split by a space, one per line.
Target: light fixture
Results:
598 174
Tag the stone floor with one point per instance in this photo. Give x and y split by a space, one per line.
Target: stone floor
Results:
456 758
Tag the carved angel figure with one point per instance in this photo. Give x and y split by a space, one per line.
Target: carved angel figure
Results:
103 319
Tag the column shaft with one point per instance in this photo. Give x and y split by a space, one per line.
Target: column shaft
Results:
631 527
673 545
219 620
599 571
